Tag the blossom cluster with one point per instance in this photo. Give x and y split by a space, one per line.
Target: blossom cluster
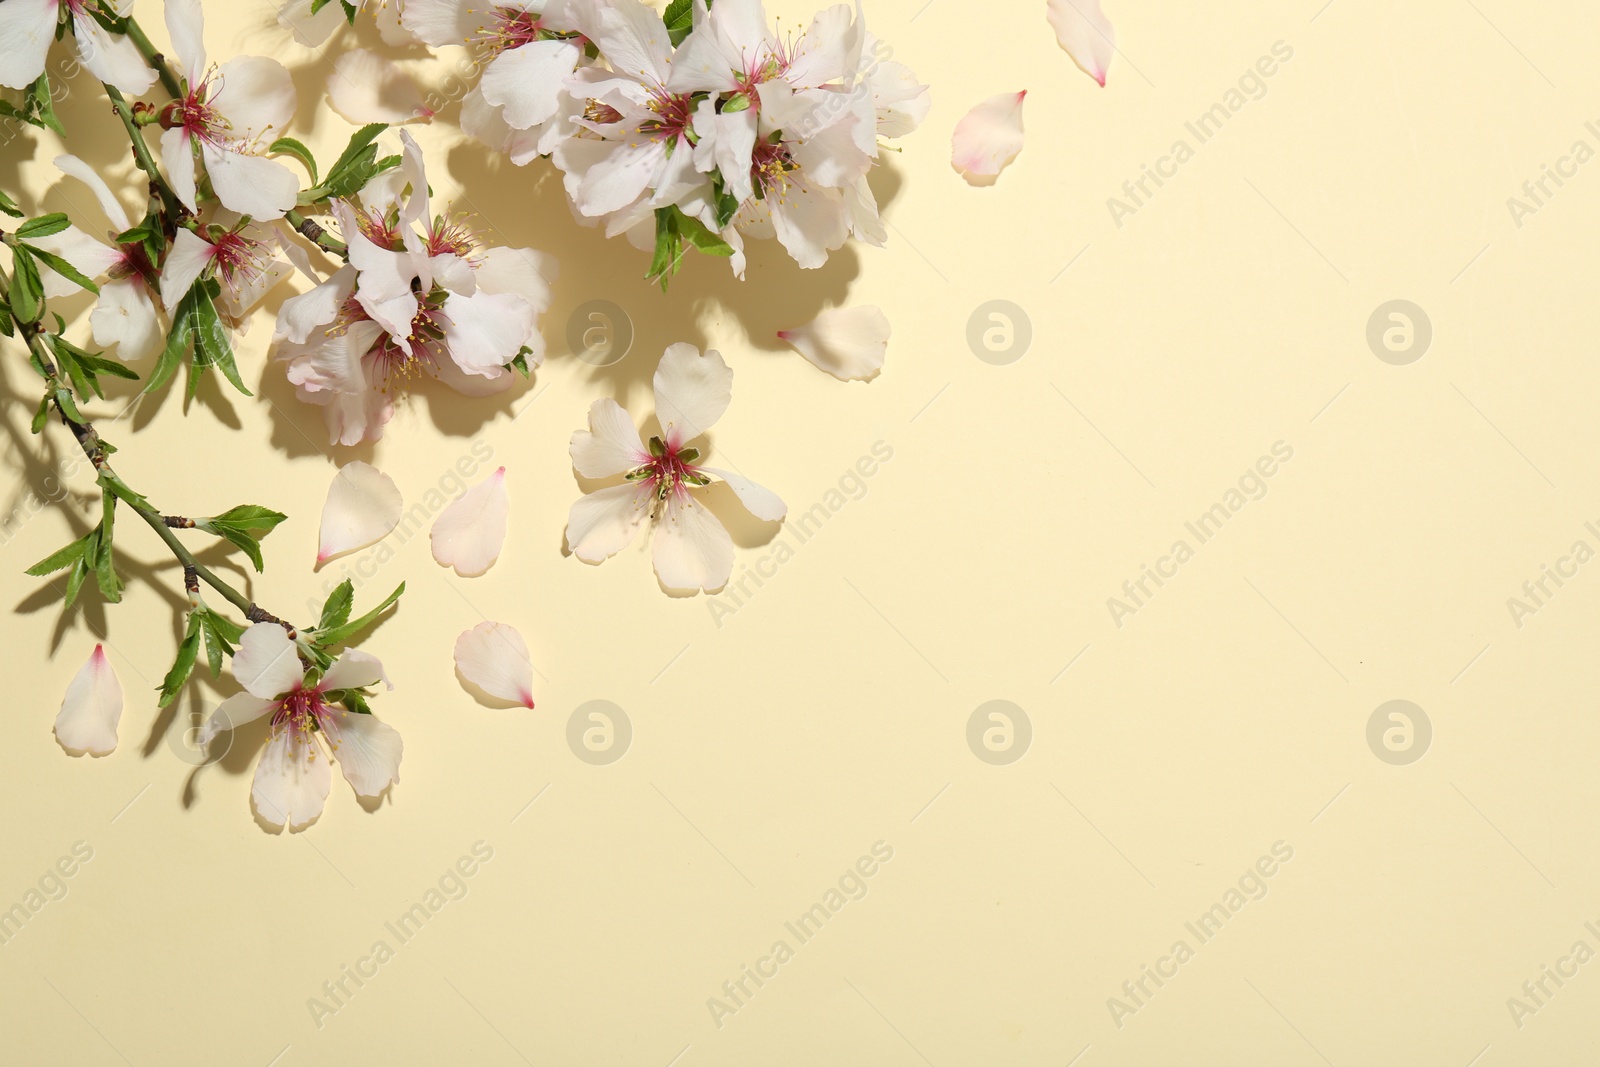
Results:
697 128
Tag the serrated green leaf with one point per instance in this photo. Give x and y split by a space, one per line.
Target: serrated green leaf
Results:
183 664
43 226
250 517
245 543
336 609
27 293
59 559
702 238
8 205
213 651
75 577
348 630
41 416
679 19
65 269
288 146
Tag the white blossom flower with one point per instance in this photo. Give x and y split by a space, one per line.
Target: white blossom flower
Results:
227 112
123 315
28 26
691 548
307 726
244 259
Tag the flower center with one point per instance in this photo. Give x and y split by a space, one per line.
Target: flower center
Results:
239 259
669 470
770 167
510 27
673 112
448 235
301 710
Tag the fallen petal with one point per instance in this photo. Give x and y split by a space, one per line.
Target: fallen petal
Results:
848 343
87 721
1086 34
469 533
363 506
988 138
493 657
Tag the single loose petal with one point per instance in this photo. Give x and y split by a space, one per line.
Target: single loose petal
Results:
363 505
691 549
692 392
366 87
87 721
469 533
848 343
494 657
1086 34
266 663
988 138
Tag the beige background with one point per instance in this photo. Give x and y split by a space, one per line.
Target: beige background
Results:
830 711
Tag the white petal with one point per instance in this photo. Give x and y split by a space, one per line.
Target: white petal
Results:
444 22
125 316
988 138
368 751
390 29
267 664
310 30
303 315
366 87
848 343
177 159
610 446
111 57
234 713
760 501
363 506
692 550
354 669
528 82
1086 34
87 721
521 271
469 533
26 27
292 779
383 285
493 657
483 332
257 97
692 392
829 50
264 189
190 256
90 255
186 29
74 167
606 521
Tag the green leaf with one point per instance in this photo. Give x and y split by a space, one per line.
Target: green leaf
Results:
288 146
520 361
61 558
226 629
667 244
105 574
68 406
8 205
41 106
353 699
356 165
75 577
5 322
348 630
41 416
701 237
679 18
245 543
350 10
336 609
43 226
27 294
65 269
250 517
318 5
183 665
